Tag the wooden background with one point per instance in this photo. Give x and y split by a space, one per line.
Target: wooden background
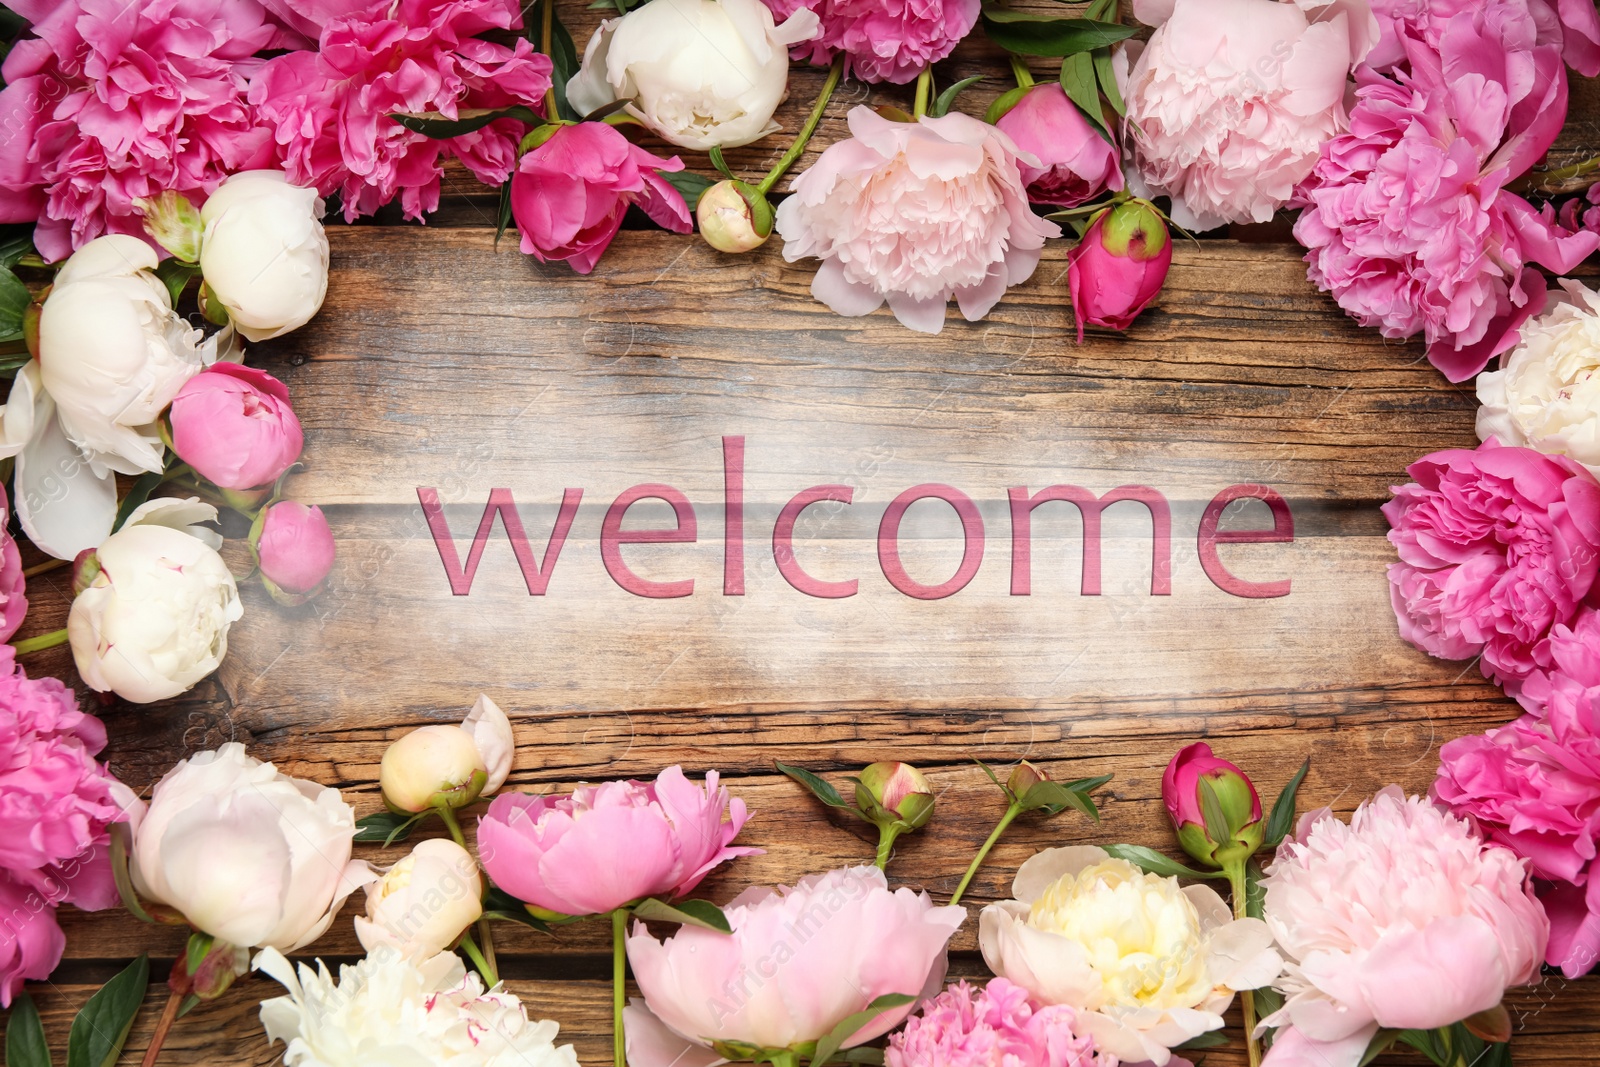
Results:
442 360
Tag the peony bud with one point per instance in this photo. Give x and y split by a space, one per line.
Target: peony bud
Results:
900 789
734 217
423 903
449 766
1119 266
234 426
173 222
1023 778
264 254
294 548
219 964
1237 802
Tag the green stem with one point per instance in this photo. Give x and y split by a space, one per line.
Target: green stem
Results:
778 170
485 968
487 935
1020 71
983 853
1247 998
1581 169
45 568
452 824
43 641
886 837
619 984
924 91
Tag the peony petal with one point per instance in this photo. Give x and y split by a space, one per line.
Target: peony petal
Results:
63 505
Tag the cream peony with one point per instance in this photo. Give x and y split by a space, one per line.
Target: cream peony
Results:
153 619
1402 918
244 853
263 253
112 355
1147 964
1546 396
391 1011
423 903
1231 100
697 72
915 213
449 765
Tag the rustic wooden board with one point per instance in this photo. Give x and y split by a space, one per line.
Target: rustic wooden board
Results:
442 361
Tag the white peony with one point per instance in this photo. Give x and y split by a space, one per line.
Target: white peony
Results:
244 853
391 1011
112 355
423 903
1147 964
1546 396
698 72
154 618
263 253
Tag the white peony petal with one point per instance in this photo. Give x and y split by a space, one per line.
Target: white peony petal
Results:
63 505
1042 870
491 732
183 515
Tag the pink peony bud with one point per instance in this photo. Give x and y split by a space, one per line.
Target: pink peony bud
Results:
1075 163
1183 793
900 789
1119 266
234 426
294 547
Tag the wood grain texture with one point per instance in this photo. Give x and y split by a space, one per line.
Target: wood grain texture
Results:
441 360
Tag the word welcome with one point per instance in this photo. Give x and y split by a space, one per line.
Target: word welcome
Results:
537 571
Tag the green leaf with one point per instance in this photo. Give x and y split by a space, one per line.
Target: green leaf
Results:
688 183
1255 892
1052 798
987 770
25 1043
467 120
700 913
1030 35
101 1028
1210 1039
386 827
564 60
498 904
721 164
841 1033
1218 826
1381 1042
945 100
175 274
1087 785
1004 103
12 249
503 215
138 494
1281 821
873 1057
1268 1002
190 1002
1101 11
819 789
1107 77
1153 862
14 301
1078 79
198 949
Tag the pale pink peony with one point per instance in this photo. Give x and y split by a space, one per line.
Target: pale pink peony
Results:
915 213
800 961
1230 100
111 101
884 40
1497 547
1076 164
603 846
1402 918
13 583
329 109
1408 222
994 1026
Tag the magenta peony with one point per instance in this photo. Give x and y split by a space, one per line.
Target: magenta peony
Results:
329 108
1402 918
1497 546
995 1026
1230 100
603 846
1075 163
570 193
800 961
1424 21
1119 267
56 804
234 426
13 583
109 102
1408 222
1533 785
915 213
883 40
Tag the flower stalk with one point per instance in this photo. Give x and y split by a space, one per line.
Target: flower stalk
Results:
169 1015
1239 883
41 642
1014 809
1019 70
919 107
780 168
619 982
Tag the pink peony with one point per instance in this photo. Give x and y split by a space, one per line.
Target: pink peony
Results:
1230 100
1497 546
13 583
1403 918
295 549
800 961
234 426
915 213
1408 222
603 846
884 40
1425 20
570 193
995 1026
56 804
1075 163
111 101
329 109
